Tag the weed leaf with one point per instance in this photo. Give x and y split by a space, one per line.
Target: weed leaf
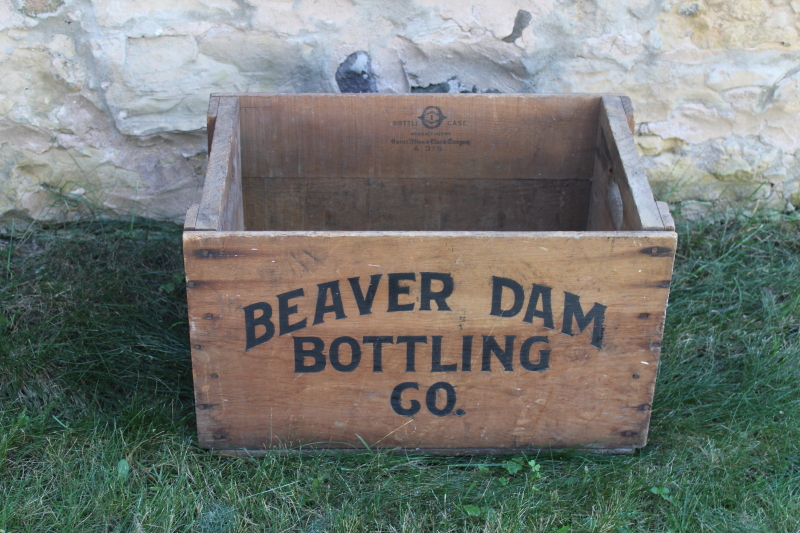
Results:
512 467
473 510
123 469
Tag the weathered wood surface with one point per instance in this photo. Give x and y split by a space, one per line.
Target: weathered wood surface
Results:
191 217
221 205
627 106
666 216
595 392
385 136
357 204
621 198
211 119
316 450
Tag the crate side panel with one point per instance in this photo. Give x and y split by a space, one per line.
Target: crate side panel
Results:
666 216
538 382
415 205
621 197
211 119
190 221
221 205
419 136
606 206
233 218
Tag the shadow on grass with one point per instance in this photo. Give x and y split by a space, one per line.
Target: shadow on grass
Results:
93 317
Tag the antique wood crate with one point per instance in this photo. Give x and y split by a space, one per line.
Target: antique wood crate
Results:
437 273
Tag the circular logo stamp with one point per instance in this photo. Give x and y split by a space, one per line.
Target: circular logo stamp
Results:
432 117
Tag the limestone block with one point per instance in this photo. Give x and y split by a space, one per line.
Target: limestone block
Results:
723 25
36 78
61 184
497 18
264 63
782 130
625 49
89 167
650 145
786 93
498 66
156 13
692 123
390 74
25 136
9 18
742 159
684 183
287 17
751 70
163 84
745 105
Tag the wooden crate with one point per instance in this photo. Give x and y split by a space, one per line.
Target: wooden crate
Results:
436 273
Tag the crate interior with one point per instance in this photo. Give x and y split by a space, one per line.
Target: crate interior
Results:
364 162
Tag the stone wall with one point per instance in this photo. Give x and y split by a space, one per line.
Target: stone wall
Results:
102 102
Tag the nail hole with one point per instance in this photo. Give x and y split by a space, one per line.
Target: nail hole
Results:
214 376
636 376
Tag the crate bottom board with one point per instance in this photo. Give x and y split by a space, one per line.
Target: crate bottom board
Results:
309 450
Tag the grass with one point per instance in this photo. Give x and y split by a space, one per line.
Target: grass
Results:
98 430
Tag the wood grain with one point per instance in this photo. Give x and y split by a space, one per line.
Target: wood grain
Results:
415 204
666 216
627 106
211 119
311 450
597 398
191 217
375 136
221 204
621 198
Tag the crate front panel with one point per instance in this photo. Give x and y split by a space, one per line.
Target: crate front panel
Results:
426 341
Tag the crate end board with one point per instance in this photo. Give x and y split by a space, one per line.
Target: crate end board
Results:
419 341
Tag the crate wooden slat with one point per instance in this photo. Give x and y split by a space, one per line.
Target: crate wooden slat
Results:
500 295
